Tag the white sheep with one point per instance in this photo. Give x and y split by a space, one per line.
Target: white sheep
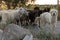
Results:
10 15
7 17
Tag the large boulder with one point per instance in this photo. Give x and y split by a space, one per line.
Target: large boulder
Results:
14 32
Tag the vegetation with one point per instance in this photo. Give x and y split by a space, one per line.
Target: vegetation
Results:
44 36
16 1
58 36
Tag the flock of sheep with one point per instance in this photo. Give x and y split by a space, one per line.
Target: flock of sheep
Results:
22 16
11 16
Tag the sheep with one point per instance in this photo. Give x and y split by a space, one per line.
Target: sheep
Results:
13 16
45 18
33 14
23 16
37 21
7 16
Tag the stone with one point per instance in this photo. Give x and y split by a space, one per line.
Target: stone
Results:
28 37
14 32
1 31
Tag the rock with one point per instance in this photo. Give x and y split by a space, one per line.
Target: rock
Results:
34 30
1 31
2 25
28 37
14 32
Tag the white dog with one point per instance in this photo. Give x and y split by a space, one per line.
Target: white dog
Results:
47 17
54 14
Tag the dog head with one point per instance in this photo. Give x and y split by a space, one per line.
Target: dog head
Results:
54 12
